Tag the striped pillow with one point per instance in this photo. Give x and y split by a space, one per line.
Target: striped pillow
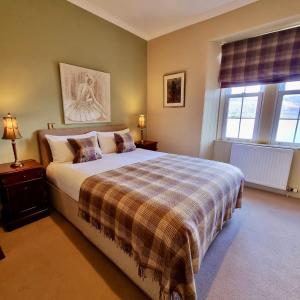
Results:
124 142
85 149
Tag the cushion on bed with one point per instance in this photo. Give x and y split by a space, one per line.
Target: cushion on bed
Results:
124 142
85 149
60 148
107 140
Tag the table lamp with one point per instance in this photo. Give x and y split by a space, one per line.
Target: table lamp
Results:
11 132
141 125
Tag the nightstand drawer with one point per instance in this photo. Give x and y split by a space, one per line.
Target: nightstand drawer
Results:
152 147
20 177
26 198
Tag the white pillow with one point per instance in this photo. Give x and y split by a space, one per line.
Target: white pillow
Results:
107 140
60 147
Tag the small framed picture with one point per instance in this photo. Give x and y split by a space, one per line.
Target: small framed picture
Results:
174 89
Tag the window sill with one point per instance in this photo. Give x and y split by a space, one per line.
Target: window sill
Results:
259 144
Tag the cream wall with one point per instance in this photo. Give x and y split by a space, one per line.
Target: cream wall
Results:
192 129
35 36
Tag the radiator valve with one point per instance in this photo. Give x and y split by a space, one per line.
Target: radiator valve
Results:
293 190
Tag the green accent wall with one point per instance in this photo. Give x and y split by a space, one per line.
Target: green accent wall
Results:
35 36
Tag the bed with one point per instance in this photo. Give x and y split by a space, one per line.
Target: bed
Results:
68 182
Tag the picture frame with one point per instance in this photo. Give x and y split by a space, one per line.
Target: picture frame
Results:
85 95
174 90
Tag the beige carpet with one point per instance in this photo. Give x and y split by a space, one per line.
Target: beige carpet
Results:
257 256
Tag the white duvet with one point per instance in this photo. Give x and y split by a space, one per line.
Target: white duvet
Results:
68 176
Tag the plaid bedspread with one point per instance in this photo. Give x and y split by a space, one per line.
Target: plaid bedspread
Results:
165 212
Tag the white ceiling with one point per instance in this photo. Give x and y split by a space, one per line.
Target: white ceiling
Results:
149 19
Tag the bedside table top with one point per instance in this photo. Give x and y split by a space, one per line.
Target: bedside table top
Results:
28 165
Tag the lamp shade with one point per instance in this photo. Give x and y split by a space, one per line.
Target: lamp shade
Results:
142 121
11 129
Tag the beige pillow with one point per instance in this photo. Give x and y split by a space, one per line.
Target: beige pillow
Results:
107 140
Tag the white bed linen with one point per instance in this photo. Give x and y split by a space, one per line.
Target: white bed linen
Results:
68 176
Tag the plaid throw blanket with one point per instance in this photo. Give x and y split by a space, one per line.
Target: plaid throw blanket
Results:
165 212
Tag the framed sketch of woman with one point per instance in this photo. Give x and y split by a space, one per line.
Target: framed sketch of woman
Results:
86 94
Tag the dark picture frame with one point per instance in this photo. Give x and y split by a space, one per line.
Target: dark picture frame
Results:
174 89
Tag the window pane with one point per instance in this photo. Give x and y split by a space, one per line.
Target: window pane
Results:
290 107
234 107
249 107
247 128
297 138
294 85
286 130
237 90
253 89
232 128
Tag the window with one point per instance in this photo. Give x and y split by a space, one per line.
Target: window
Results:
241 112
286 125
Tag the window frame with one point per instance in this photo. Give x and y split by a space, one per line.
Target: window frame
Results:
228 95
281 92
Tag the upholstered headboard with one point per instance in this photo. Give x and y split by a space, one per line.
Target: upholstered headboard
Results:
45 152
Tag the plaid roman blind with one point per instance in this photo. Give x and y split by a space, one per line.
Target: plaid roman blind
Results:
270 58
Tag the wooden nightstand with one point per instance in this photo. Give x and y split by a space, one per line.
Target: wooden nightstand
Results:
23 193
149 145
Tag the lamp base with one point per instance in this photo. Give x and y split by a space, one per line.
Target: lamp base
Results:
142 136
17 164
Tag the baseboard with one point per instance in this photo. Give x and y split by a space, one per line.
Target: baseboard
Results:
272 190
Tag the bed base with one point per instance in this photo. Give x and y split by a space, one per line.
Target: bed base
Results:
68 207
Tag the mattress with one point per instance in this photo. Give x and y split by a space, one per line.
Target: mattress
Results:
68 177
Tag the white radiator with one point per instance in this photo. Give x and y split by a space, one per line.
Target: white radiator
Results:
263 165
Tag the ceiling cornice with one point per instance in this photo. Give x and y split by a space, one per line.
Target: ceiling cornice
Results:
96 10
203 17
